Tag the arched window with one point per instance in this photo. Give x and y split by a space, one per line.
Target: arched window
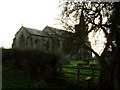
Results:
30 41
47 45
22 41
36 41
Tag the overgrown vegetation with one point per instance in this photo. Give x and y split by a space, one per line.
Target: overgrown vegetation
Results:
33 69
34 63
14 79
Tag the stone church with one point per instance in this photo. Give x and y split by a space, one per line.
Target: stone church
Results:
49 39
45 40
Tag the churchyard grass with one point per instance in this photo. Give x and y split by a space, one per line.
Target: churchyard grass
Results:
15 79
85 70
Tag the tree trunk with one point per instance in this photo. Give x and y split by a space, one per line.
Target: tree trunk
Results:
118 75
106 80
118 81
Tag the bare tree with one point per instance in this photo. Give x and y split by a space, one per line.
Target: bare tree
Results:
97 16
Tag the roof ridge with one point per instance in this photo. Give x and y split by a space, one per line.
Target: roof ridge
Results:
35 31
55 28
31 28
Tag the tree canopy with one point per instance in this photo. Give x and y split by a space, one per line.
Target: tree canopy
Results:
97 17
95 14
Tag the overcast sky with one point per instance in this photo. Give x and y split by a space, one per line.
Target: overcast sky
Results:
30 13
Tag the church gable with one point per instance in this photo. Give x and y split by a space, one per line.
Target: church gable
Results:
35 32
54 32
32 38
20 38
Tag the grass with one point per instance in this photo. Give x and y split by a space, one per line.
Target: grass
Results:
73 63
14 79
85 70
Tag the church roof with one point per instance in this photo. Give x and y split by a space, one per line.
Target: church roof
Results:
54 31
35 32
46 32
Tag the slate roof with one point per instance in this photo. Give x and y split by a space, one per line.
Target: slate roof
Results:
46 32
35 32
54 31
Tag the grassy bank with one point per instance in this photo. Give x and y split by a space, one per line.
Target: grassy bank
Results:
84 71
15 79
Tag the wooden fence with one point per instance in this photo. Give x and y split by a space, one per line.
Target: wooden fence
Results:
77 71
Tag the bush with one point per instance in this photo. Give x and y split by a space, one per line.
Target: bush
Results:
34 63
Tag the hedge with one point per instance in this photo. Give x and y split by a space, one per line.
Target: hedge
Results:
34 63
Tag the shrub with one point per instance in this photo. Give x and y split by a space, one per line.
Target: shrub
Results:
34 63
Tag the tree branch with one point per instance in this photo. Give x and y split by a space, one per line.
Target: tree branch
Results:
106 46
90 49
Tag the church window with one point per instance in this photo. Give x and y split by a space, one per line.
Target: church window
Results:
22 41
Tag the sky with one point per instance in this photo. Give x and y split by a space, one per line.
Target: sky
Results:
29 13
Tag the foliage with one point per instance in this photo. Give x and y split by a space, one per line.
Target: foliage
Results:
34 63
86 17
90 14
99 17
113 55
14 79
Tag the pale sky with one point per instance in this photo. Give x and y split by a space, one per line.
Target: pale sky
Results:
30 13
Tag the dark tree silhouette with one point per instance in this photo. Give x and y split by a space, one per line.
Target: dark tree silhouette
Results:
93 14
